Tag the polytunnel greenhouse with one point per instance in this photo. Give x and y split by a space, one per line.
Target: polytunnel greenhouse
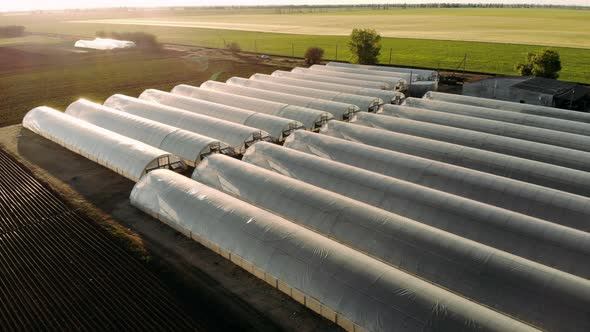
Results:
510 284
391 82
390 97
278 128
364 103
340 111
373 73
556 206
312 119
369 131
540 135
547 243
530 120
335 80
421 74
510 106
121 154
237 136
190 147
343 285
545 153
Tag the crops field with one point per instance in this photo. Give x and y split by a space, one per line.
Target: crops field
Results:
492 40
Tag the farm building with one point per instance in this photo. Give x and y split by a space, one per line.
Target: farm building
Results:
532 90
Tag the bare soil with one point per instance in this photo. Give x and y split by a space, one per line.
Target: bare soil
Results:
221 295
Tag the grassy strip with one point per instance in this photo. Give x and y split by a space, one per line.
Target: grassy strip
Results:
492 58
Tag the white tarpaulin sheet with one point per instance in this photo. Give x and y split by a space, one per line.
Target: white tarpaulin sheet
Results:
532 292
104 44
540 202
121 154
312 119
369 293
235 135
547 243
278 128
189 146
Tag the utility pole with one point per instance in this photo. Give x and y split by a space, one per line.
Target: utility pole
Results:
336 52
390 50
255 47
292 50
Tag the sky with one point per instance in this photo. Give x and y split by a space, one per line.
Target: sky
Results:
8 5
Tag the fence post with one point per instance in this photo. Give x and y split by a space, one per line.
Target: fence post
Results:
292 50
336 52
390 50
255 47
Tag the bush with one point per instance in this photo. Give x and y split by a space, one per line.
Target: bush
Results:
234 47
365 46
314 55
546 64
11 31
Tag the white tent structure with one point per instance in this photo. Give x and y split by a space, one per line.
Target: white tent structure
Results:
518 287
391 82
511 106
421 74
369 131
278 128
540 135
556 246
123 155
340 111
190 147
312 119
390 97
366 104
408 77
530 120
545 153
540 202
354 291
237 136
104 44
308 76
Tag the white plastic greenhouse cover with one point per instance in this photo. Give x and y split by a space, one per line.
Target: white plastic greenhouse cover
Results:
546 153
567 126
393 83
340 111
367 104
390 97
312 119
340 283
237 136
547 243
373 73
122 155
104 44
422 74
544 203
368 130
529 291
189 146
302 75
420 88
540 135
278 128
511 106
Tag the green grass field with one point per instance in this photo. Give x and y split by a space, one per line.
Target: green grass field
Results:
515 32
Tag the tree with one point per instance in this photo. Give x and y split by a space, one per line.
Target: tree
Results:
365 46
234 47
546 64
314 55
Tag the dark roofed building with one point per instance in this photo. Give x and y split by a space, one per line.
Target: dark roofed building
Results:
532 90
